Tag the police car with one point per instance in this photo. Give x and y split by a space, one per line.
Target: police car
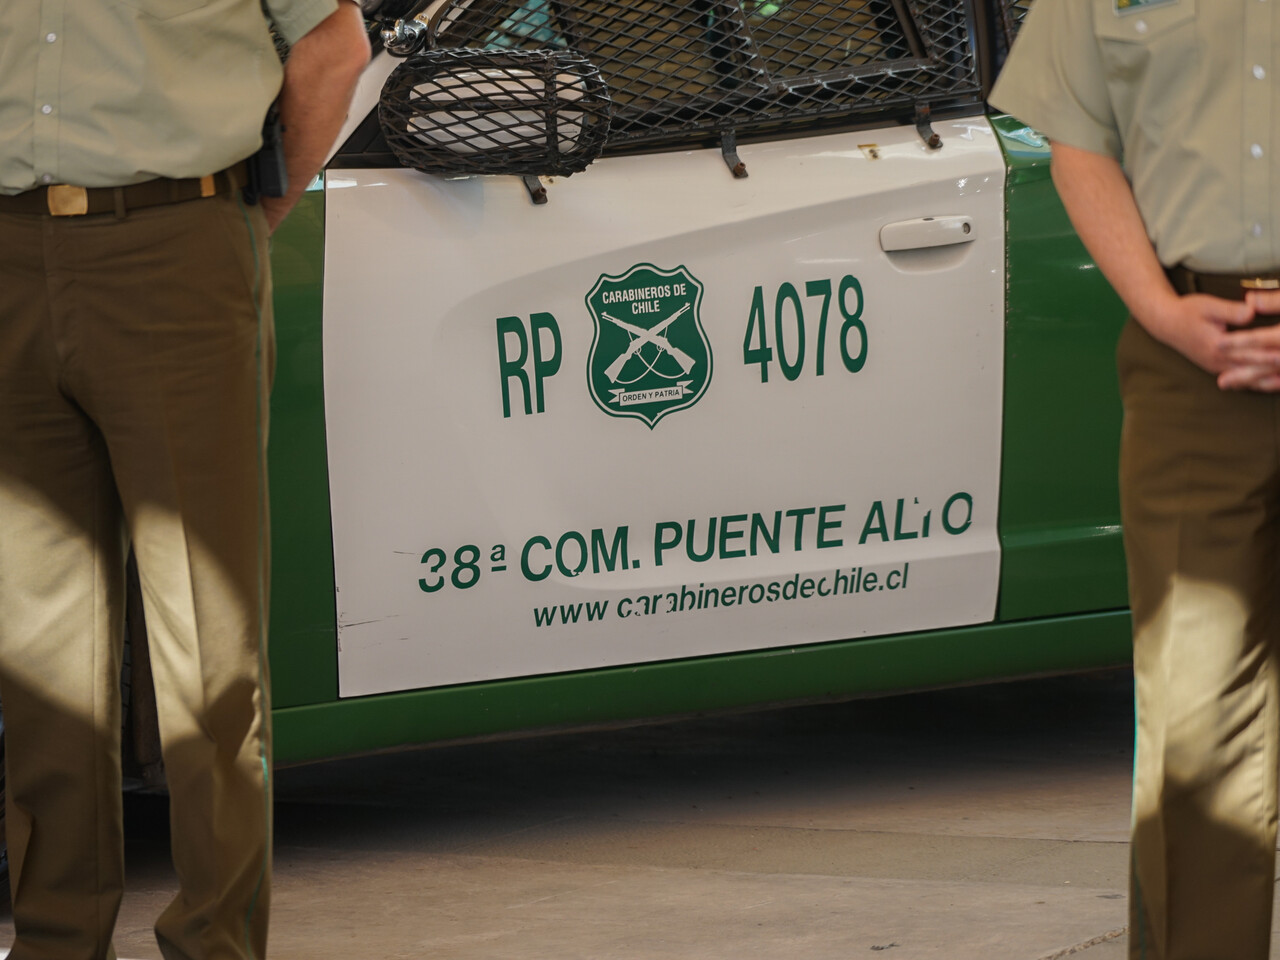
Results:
647 357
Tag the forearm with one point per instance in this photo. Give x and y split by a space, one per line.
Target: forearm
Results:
1103 210
1100 203
319 78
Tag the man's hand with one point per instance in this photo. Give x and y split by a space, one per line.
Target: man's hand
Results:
1197 325
1253 356
319 78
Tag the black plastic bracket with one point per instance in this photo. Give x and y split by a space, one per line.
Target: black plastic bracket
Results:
537 192
729 149
925 128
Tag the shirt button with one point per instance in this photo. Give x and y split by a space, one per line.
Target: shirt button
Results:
1256 151
46 178
1141 26
1259 72
1257 230
50 37
46 109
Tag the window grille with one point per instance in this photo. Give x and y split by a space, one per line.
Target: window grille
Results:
691 70
1012 13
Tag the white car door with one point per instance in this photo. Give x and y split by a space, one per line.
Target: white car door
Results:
668 413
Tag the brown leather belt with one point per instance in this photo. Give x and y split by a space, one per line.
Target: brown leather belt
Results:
1229 286
64 200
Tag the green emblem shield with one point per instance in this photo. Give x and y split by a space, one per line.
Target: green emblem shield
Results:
650 355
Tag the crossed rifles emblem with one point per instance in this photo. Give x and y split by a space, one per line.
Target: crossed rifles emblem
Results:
640 336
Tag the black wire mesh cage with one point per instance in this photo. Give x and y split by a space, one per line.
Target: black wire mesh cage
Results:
1012 13
683 70
462 112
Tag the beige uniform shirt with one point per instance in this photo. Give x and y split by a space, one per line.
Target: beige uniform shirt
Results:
101 93
1184 93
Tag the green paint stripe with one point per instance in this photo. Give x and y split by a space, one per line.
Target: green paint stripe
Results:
1059 503
263 694
813 672
302 628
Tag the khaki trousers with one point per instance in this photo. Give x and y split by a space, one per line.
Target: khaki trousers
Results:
1200 499
135 359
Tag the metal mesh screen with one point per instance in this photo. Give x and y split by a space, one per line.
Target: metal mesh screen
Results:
691 69
518 112
1013 12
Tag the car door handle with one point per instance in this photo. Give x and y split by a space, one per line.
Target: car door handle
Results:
926 232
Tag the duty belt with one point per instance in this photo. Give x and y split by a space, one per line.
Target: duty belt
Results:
1229 286
64 200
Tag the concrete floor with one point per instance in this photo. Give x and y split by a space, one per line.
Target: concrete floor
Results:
982 823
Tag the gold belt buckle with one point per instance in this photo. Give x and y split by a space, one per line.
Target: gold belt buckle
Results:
1260 283
67 201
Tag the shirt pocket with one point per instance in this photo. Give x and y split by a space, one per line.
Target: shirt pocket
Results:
1150 58
1142 23
163 9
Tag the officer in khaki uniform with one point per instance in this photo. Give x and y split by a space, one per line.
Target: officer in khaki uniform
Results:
135 361
1163 119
